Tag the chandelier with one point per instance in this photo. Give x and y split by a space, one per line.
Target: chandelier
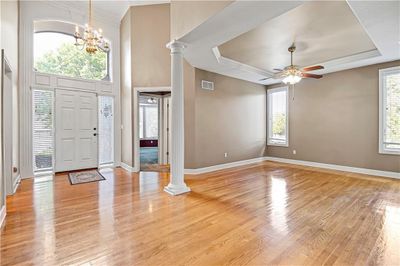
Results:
92 40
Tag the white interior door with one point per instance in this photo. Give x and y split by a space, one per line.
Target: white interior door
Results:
76 130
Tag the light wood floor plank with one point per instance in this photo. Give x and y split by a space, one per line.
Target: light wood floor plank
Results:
260 214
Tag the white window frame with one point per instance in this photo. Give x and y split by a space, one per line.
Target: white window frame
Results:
270 140
382 113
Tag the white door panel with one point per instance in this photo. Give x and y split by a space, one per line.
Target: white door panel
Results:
76 125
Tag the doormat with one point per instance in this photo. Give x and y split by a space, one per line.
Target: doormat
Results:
85 177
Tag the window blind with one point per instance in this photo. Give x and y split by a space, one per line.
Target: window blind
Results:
43 143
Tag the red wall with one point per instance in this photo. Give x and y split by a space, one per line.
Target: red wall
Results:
148 143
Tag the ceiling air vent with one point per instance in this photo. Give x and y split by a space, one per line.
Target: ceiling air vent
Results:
207 85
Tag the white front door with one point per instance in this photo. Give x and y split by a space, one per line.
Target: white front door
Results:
76 130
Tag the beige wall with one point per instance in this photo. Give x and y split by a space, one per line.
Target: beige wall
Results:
208 135
335 120
187 15
229 119
126 90
145 62
9 42
189 115
150 32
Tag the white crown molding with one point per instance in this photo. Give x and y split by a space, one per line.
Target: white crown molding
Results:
365 171
3 214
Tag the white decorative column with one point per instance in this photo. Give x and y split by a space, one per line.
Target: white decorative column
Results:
177 184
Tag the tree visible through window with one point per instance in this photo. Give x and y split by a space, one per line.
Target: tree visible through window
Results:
55 53
42 126
278 116
390 104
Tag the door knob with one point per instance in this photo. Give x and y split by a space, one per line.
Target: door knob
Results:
94 134
94 128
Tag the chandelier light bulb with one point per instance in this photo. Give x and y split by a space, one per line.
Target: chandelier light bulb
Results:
92 40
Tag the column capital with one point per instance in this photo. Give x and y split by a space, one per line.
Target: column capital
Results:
176 46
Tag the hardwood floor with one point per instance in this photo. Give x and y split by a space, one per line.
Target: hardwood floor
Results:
266 213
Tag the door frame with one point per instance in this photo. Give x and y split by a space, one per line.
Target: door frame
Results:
53 170
136 139
7 127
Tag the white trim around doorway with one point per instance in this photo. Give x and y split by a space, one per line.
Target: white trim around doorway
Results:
136 139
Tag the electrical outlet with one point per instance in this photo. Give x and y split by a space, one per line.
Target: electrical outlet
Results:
225 154
294 151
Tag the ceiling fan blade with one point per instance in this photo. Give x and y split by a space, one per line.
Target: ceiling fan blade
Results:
312 68
277 69
313 76
263 79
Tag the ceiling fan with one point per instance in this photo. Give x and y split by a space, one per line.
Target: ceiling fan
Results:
293 74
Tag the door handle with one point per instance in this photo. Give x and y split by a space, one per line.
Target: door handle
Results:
94 134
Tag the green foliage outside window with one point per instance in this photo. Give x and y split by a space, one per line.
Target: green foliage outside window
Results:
69 60
393 109
279 125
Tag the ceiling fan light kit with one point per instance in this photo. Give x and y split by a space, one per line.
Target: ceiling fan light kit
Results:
291 79
293 74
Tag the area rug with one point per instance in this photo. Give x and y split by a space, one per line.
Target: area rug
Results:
86 176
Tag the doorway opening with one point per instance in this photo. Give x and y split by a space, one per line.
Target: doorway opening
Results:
153 127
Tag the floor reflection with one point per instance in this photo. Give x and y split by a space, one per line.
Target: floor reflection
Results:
279 205
391 241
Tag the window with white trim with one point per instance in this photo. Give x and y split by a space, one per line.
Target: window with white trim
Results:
56 53
278 116
148 118
106 129
389 110
42 130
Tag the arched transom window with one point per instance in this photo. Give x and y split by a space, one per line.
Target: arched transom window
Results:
55 53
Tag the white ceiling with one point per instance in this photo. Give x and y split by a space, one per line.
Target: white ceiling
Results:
378 26
105 9
322 31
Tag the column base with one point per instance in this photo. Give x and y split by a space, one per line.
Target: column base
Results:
176 190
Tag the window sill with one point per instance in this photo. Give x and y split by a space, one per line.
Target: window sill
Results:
389 152
278 144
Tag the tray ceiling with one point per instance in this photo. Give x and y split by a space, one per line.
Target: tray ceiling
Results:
322 31
247 39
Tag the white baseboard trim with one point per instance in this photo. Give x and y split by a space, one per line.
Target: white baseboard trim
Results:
222 166
357 170
343 168
16 183
128 168
2 215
